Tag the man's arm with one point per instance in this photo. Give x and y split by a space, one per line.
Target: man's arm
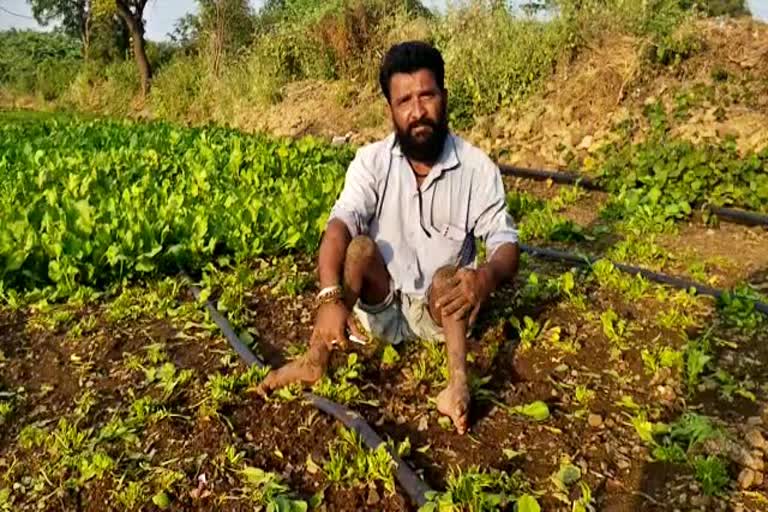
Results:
501 267
333 249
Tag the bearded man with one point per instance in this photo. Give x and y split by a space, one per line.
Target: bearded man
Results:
397 259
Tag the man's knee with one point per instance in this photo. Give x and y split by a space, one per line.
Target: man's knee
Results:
442 279
361 251
441 282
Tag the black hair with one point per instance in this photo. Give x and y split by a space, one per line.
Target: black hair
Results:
409 57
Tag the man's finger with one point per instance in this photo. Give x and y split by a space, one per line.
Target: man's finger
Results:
355 332
450 308
473 316
461 312
449 296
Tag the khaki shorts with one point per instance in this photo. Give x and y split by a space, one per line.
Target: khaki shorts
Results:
399 317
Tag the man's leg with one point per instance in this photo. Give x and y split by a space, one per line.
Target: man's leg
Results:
453 401
365 277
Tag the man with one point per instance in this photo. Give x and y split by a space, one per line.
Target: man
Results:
398 253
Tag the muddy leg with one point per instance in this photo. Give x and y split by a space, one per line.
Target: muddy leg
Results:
454 400
366 277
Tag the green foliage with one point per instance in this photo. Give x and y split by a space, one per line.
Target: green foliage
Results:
494 59
662 180
267 489
480 490
38 62
99 201
737 308
339 388
351 463
712 474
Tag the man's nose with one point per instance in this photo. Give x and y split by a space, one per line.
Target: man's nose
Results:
417 110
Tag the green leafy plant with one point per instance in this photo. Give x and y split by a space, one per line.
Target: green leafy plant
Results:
351 463
266 488
480 490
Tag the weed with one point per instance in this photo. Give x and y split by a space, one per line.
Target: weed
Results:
712 473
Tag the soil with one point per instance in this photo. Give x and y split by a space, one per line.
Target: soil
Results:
56 369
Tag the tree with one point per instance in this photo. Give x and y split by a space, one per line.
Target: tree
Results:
74 17
226 26
131 12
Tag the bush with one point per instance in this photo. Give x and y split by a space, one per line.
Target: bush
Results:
176 88
494 59
38 62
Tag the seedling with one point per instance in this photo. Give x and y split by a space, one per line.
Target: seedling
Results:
480 490
351 463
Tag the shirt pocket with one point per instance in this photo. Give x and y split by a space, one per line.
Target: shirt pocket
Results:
450 243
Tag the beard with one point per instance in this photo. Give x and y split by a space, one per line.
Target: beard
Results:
423 140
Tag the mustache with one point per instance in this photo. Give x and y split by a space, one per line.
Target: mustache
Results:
422 122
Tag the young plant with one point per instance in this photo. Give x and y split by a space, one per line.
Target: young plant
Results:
480 490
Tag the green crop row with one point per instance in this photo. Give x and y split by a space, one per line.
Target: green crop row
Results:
93 202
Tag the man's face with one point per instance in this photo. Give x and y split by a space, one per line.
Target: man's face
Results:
418 108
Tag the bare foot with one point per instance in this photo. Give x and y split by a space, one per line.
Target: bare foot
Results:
453 402
307 370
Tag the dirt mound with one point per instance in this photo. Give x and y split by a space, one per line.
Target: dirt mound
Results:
718 92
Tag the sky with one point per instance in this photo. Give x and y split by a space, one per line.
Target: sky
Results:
161 15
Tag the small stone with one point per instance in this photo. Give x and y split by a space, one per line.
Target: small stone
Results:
745 459
682 499
613 486
759 478
595 420
373 497
746 478
623 464
701 500
756 440
754 421
610 423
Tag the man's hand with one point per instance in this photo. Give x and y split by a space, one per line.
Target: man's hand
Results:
468 290
330 325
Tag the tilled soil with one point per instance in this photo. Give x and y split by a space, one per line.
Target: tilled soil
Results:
91 375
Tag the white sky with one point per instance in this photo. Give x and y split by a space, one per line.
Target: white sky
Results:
161 15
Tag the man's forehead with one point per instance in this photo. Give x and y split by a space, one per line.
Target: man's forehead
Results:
420 78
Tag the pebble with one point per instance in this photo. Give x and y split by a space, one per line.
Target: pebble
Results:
610 423
756 440
746 478
745 459
623 464
702 500
373 497
595 420
682 499
759 478
754 421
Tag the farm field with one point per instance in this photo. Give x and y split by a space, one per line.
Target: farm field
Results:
592 389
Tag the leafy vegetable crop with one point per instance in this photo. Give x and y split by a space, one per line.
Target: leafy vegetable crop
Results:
94 202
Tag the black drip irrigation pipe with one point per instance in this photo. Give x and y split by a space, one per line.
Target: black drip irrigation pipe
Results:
676 282
414 486
734 215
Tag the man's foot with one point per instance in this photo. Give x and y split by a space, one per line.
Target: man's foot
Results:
307 370
453 402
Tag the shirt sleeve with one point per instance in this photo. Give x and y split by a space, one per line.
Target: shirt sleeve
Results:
357 202
494 224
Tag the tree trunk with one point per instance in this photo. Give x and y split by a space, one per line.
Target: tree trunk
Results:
136 28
